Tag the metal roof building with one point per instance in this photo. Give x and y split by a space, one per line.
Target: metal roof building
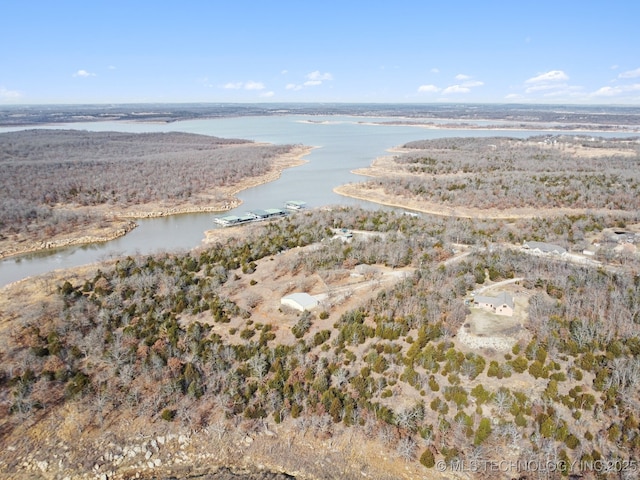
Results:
299 301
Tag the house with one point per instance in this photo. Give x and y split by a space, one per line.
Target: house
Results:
343 234
299 301
544 248
500 305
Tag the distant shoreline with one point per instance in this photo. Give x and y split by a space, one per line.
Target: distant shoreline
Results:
494 127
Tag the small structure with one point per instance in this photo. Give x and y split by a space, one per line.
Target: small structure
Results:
295 204
299 301
234 220
268 213
343 234
544 248
500 305
252 216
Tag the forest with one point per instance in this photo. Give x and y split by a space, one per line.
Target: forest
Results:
138 339
62 181
541 173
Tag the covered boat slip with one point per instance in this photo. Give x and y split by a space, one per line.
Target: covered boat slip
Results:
252 216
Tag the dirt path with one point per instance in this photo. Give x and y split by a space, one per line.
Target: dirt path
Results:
499 284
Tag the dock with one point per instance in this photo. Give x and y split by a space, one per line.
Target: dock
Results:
249 217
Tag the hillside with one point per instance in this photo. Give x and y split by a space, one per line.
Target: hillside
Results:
182 364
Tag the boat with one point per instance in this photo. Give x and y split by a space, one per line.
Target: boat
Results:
295 204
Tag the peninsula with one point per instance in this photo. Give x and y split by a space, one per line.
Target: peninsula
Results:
66 187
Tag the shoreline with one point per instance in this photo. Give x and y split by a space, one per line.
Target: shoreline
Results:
123 221
358 192
111 233
452 125
383 167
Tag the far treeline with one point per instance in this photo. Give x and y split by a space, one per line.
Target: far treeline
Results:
585 116
47 174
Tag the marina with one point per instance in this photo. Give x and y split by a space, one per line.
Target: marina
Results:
252 216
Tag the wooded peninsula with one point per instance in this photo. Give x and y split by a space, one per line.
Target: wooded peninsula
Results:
63 187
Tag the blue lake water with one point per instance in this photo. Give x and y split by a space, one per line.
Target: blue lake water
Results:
344 143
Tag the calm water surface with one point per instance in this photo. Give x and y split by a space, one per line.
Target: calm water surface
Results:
344 143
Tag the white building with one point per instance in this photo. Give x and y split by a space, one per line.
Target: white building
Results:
299 301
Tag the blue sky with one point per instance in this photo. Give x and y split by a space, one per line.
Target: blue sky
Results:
113 51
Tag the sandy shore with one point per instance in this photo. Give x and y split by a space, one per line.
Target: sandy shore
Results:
114 223
361 191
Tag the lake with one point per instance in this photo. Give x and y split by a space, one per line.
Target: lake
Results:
344 143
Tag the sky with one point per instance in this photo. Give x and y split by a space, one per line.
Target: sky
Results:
418 51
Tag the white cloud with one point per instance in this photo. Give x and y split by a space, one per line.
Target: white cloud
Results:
267 94
428 89
550 76
545 87
617 90
284 72
435 70
313 80
630 74
607 92
112 67
552 84
465 86
6 94
466 82
84 74
456 89
319 77
254 86
244 85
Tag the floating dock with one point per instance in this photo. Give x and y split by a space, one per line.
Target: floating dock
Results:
252 216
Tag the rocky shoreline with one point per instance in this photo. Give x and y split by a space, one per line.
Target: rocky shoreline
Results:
37 246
